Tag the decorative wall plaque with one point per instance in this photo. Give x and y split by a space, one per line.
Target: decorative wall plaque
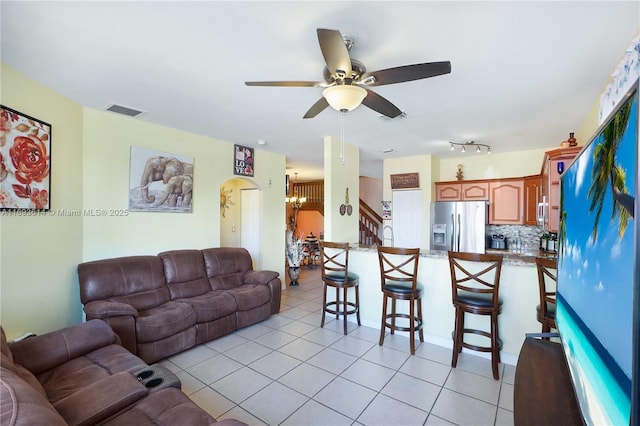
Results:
405 180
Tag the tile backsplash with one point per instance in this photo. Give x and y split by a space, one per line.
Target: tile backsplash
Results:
528 235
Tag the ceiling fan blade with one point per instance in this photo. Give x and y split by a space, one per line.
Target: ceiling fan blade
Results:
285 83
317 108
335 52
380 104
406 73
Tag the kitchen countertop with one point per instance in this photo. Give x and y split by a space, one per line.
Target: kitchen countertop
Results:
518 290
513 258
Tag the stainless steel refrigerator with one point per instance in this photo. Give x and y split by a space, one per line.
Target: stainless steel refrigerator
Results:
459 225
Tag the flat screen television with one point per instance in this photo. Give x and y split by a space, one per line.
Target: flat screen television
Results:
597 288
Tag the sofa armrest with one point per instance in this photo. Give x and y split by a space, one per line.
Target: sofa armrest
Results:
259 277
43 352
101 399
106 308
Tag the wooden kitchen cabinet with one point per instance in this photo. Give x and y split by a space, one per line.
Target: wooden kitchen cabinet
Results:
551 184
448 191
506 203
462 191
532 197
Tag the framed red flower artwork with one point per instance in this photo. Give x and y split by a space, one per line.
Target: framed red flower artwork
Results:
25 161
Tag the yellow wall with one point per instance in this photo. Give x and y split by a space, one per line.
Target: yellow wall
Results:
107 142
485 166
90 170
39 290
337 178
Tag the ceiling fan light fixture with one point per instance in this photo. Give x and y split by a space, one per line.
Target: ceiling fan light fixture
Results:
344 97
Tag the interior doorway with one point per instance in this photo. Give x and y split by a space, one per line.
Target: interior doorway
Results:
407 218
250 221
240 216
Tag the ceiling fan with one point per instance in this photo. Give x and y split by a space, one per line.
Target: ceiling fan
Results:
346 80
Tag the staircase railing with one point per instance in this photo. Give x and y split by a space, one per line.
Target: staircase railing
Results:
313 191
370 224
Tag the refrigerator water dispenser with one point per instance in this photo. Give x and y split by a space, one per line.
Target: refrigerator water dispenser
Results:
439 233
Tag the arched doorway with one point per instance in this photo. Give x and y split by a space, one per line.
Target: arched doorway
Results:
240 216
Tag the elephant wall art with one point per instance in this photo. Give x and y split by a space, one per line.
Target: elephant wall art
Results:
160 181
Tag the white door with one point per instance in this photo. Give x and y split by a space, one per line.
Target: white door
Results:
250 223
406 214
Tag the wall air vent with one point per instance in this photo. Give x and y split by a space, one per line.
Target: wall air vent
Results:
129 112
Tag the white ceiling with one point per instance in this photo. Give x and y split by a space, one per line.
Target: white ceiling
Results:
524 74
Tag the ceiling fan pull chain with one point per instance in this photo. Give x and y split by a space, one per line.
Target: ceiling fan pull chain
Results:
344 112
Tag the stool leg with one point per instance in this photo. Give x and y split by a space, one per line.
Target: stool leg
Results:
357 304
337 303
421 334
344 310
324 303
457 336
546 328
412 327
393 315
383 326
495 353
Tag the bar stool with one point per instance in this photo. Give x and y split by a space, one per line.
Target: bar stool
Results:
547 278
475 280
399 281
335 273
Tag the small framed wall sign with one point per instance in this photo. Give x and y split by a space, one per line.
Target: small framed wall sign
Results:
405 181
25 161
242 161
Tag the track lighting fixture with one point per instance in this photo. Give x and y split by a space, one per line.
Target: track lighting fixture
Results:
463 146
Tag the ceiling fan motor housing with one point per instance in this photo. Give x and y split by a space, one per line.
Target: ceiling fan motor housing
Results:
357 70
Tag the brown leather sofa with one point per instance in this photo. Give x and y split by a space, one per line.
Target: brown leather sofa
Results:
161 305
80 375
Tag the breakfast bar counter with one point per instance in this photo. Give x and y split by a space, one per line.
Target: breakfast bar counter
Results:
518 291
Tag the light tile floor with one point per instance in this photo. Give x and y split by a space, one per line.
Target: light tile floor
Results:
287 370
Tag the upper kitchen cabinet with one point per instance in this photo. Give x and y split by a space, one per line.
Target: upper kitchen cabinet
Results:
462 191
532 198
506 204
554 163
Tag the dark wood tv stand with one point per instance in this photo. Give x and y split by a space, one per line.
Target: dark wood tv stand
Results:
543 393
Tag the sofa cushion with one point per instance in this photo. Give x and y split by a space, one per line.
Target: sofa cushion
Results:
136 280
101 399
226 266
82 371
168 407
212 305
251 296
165 320
6 361
21 404
185 273
46 351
